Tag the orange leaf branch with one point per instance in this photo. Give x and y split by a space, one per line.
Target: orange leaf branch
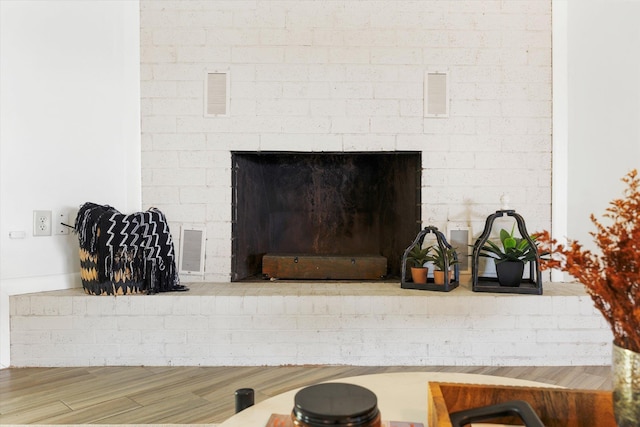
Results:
612 278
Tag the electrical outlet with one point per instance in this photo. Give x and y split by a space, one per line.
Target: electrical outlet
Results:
42 223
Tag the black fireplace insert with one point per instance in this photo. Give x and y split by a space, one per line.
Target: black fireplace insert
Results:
332 203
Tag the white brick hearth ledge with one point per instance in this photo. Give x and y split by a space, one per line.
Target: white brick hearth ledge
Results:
287 323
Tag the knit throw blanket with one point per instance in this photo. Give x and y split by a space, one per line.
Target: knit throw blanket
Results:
123 254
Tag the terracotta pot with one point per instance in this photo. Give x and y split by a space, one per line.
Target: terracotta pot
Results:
438 277
419 274
626 386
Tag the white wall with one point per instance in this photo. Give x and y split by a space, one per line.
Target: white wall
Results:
70 133
596 110
603 39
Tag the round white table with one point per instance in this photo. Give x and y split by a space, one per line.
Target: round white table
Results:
401 396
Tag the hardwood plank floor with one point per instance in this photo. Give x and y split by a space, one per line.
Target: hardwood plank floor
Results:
201 395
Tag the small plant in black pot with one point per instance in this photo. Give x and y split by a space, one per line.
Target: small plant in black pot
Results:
511 258
419 257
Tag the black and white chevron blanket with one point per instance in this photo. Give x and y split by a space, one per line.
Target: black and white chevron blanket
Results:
136 248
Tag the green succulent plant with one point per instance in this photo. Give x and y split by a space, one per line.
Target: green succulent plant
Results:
418 256
439 256
513 248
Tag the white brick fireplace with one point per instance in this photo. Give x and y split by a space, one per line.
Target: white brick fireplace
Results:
346 76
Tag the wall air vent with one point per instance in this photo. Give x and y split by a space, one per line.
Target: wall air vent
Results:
436 94
216 99
192 244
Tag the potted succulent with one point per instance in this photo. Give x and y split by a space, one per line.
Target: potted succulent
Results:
442 254
419 256
511 258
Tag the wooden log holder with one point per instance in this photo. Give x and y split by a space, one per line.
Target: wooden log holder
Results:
324 267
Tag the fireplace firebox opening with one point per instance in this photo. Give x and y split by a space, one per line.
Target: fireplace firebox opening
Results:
337 204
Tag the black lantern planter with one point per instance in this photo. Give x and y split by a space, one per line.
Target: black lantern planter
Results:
449 284
529 285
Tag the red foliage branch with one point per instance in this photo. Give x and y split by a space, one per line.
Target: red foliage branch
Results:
612 278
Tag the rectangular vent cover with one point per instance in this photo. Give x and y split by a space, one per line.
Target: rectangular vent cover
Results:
436 94
217 93
460 239
192 244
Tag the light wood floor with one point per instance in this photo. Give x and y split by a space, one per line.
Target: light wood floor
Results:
199 395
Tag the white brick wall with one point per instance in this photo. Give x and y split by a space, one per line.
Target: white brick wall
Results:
220 324
347 75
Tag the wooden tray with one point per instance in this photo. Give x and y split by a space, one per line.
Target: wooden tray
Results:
556 407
